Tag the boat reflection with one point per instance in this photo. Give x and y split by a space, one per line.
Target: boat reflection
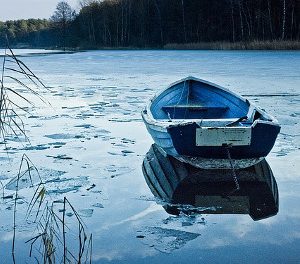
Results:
184 188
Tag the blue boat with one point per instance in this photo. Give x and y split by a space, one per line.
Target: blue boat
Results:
209 126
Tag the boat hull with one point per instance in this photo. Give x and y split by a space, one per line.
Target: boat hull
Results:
208 126
263 136
204 163
180 142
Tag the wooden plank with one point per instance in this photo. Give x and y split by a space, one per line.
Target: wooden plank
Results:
195 107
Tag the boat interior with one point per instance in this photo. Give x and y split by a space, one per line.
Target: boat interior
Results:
193 99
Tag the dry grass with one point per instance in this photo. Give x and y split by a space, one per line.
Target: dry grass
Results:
15 75
51 227
251 45
55 239
51 237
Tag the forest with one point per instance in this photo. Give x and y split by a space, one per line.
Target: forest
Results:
158 24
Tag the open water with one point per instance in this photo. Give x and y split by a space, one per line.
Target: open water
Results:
90 143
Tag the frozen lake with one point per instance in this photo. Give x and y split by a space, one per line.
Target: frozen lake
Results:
90 143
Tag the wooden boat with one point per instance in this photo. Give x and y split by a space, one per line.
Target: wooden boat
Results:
180 187
206 125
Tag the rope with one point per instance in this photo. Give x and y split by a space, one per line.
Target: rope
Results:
237 185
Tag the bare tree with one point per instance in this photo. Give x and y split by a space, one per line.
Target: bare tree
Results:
241 19
160 21
283 19
62 16
270 19
183 20
232 20
292 18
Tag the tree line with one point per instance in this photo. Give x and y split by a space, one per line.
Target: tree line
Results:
155 23
33 32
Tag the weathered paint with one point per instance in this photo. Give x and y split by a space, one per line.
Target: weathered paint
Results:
219 136
209 164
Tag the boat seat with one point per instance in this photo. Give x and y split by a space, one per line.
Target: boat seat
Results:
195 107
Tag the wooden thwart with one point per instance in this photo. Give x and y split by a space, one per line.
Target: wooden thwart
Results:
195 107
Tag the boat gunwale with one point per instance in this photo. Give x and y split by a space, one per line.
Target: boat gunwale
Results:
162 126
166 123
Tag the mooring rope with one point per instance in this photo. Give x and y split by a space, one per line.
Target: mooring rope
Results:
237 185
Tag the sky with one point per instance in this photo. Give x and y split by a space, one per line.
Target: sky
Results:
23 9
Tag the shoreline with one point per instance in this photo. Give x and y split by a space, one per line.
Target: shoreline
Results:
251 45
218 45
